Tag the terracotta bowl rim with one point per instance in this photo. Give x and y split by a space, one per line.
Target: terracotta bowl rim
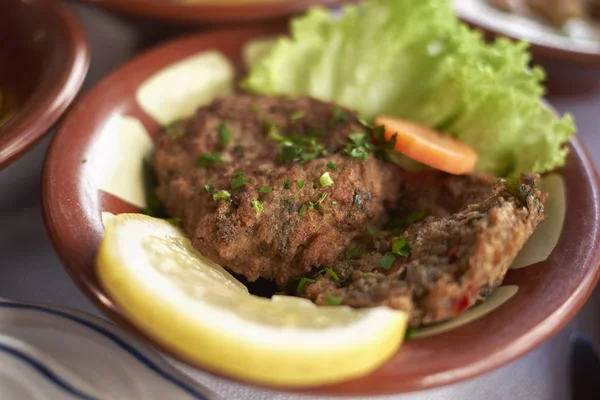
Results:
54 218
42 109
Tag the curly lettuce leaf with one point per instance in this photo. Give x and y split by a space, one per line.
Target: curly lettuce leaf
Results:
416 60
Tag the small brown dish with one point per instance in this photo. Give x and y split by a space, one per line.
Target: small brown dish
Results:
542 297
572 66
214 11
43 62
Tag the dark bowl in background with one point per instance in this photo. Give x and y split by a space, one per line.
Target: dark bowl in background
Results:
214 11
43 62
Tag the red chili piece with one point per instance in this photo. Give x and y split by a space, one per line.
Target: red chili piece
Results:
452 256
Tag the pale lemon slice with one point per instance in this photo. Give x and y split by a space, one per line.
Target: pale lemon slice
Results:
198 310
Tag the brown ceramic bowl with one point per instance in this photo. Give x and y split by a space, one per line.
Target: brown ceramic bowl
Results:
43 62
214 11
549 293
572 67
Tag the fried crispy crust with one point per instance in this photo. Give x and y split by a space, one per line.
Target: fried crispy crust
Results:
455 260
278 243
459 253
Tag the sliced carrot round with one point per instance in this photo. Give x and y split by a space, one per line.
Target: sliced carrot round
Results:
429 147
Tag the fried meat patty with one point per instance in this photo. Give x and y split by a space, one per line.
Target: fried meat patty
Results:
249 206
303 223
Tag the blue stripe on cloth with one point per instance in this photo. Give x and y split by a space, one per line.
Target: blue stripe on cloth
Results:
116 340
46 372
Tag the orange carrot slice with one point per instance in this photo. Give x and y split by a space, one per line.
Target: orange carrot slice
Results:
429 147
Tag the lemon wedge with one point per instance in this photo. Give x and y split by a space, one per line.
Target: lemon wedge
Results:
195 308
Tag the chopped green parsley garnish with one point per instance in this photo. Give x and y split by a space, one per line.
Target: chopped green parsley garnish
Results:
330 272
387 261
171 124
287 184
316 205
366 274
379 133
290 152
274 133
326 180
415 216
300 183
337 115
364 123
400 248
322 197
302 210
302 284
294 148
333 300
254 108
307 156
297 115
370 230
209 159
400 223
334 203
257 206
239 180
359 146
174 221
224 134
392 143
331 165
175 133
265 189
222 195
84 161
515 187
356 251
154 207
411 332
209 188
385 148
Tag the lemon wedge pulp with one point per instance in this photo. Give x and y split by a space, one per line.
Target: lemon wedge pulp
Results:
196 309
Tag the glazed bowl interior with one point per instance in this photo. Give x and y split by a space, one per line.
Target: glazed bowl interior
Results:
214 11
532 304
43 62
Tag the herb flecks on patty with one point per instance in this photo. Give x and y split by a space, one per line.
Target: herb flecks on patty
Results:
300 198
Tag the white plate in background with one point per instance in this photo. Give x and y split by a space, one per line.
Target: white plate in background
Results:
534 30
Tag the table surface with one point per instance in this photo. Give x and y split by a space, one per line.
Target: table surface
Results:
30 270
